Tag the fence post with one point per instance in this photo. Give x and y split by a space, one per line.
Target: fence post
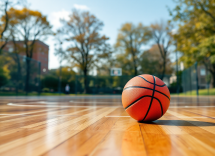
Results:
177 83
197 81
59 81
76 85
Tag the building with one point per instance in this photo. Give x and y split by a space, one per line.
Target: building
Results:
40 52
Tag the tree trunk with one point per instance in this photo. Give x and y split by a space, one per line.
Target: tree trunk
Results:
135 69
134 63
17 60
213 75
164 69
213 80
18 74
85 81
59 81
28 61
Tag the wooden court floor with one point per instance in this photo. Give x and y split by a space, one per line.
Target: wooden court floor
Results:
99 126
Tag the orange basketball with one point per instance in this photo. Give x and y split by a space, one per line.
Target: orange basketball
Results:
145 98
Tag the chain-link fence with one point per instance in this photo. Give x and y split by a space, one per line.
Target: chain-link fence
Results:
197 80
19 75
105 84
189 79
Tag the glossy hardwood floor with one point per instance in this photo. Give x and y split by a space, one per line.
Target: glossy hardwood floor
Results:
99 126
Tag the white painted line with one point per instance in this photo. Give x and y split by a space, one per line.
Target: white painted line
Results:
13 114
193 117
11 104
177 117
193 102
30 112
93 102
36 115
117 116
189 106
45 102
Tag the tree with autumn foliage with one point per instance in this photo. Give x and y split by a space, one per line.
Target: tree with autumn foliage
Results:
4 24
28 26
151 62
130 41
87 46
162 37
195 36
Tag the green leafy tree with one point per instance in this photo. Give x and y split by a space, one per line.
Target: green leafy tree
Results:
4 69
4 24
124 61
50 81
28 26
161 35
87 46
151 62
130 40
196 28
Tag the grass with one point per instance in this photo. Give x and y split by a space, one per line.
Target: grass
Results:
201 92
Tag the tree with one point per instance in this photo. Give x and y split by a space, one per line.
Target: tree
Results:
50 81
4 24
4 71
87 45
130 39
124 61
195 37
151 63
161 34
28 26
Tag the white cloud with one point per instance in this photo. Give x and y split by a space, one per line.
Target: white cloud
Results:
56 16
81 7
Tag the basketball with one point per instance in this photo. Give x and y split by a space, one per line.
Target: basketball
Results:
146 98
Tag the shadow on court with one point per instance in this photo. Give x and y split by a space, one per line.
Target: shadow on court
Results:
181 123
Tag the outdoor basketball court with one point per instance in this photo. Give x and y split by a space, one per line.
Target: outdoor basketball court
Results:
99 125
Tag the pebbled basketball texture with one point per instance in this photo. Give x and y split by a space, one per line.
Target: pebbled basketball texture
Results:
146 98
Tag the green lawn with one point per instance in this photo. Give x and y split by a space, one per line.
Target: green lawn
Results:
201 92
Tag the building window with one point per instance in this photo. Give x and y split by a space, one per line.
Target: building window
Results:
44 70
202 72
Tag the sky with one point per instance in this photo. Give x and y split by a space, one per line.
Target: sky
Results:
113 13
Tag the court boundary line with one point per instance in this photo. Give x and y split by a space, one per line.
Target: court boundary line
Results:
12 104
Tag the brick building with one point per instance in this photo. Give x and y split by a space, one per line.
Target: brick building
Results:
40 52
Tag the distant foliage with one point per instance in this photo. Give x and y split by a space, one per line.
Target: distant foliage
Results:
151 62
195 37
130 41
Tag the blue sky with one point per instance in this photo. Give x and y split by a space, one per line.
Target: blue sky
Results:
113 13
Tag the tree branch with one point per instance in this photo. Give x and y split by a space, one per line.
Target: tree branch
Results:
207 12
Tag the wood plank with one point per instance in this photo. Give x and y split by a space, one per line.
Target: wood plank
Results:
105 130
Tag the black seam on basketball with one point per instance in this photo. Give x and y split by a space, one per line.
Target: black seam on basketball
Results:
151 82
160 105
142 98
151 100
137 100
146 88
